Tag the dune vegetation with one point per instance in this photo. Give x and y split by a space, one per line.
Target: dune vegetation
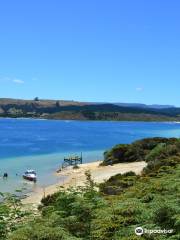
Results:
112 209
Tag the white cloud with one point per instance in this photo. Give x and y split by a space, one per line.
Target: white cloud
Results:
139 89
18 81
11 80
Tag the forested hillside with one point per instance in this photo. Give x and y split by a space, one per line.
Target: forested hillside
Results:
59 109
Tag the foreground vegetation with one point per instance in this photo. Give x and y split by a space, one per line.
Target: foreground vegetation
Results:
113 209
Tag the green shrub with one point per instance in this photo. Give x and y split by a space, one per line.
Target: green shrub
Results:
156 152
40 232
164 217
117 183
76 167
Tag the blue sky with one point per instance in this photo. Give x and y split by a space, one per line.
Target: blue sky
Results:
94 50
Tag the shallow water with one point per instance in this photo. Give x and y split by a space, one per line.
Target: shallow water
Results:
42 144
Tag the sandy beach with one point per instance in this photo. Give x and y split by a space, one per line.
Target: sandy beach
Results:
76 177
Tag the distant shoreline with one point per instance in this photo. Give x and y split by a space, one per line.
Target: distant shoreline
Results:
74 110
88 120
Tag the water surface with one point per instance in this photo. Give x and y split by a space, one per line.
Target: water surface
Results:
42 144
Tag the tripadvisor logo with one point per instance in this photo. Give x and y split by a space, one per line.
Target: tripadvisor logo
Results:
140 231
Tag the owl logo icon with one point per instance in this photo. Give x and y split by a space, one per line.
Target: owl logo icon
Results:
139 231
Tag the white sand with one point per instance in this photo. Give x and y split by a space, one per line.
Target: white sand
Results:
76 177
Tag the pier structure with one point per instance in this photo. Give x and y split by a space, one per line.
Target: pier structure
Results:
72 161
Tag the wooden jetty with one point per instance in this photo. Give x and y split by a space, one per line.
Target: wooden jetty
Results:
72 161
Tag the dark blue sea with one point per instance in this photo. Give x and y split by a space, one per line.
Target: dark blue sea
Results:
42 144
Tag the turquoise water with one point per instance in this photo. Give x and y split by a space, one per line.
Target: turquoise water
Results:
42 144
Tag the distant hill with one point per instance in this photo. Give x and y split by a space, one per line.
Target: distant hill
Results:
60 109
140 105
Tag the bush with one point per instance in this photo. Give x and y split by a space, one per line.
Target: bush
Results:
40 232
118 183
156 152
76 167
164 217
143 150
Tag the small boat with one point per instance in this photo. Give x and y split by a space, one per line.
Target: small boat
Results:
30 175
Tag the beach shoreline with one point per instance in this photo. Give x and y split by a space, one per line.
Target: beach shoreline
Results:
76 177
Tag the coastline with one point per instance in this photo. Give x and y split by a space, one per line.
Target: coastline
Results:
94 120
76 177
